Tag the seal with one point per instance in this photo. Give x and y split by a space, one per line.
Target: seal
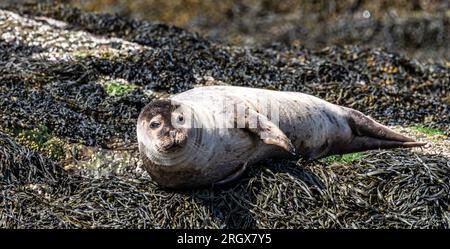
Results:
210 135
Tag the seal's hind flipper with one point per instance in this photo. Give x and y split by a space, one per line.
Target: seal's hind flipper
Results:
369 134
371 143
363 125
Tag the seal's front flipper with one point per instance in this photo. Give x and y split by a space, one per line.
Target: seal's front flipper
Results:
234 176
269 133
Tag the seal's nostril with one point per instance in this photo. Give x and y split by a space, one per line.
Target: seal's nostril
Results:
172 134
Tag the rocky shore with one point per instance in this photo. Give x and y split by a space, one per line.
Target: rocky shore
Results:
72 84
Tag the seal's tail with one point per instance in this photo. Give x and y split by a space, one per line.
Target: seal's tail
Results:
370 134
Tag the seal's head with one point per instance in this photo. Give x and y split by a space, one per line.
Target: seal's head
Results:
161 126
168 144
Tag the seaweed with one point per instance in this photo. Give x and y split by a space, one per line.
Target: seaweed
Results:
55 62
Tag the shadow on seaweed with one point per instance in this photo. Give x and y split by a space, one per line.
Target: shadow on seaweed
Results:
414 182
232 203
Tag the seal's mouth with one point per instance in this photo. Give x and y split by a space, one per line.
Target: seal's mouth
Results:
176 147
174 142
172 147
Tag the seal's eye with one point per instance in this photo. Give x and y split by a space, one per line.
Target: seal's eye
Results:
180 118
155 124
